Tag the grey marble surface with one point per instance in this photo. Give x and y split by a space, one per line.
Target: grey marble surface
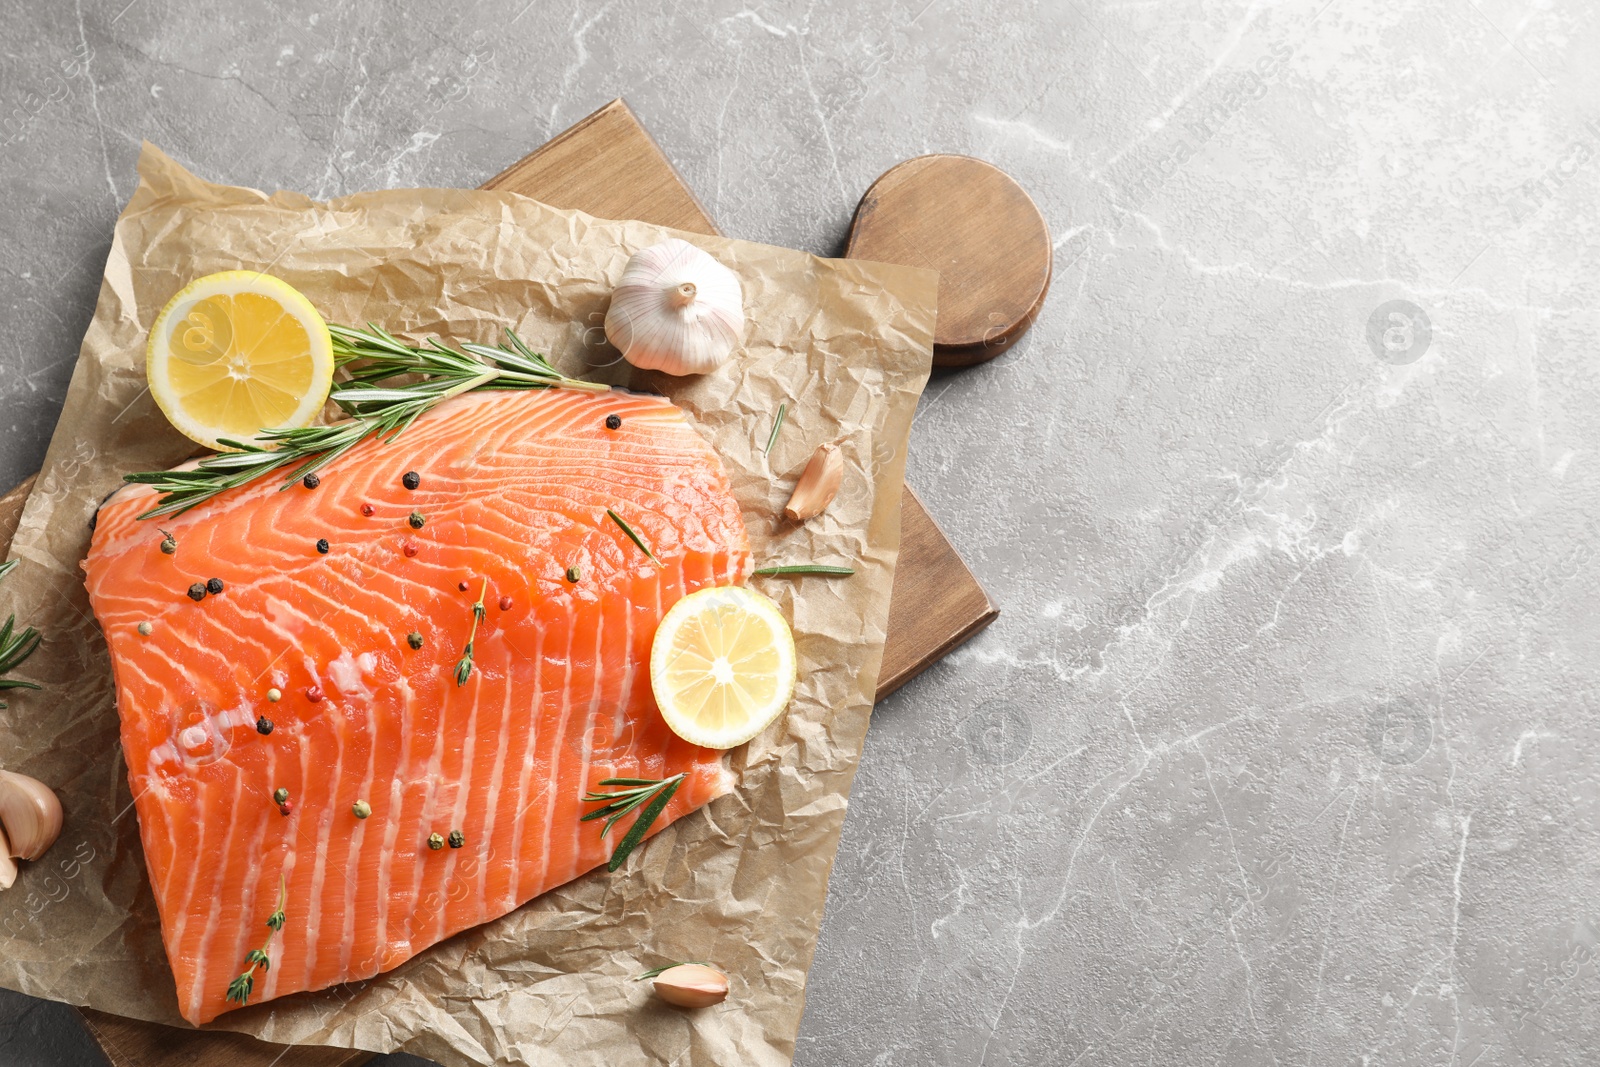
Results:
1283 750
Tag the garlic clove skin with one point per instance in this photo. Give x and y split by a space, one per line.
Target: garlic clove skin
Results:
30 815
676 309
818 484
691 985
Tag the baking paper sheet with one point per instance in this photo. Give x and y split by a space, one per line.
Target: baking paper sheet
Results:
739 883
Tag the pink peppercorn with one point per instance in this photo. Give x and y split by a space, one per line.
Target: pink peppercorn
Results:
314 694
367 510
505 603
286 807
410 549
462 586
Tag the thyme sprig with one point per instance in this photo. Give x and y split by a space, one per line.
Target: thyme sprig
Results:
464 664
378 402
655 795
240 988
14 647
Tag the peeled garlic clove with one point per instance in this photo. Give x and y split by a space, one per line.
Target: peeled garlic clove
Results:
8 866
30 815
691 985
818 484
676 309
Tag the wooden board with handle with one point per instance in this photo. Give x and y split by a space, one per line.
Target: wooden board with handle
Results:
609 166
974 224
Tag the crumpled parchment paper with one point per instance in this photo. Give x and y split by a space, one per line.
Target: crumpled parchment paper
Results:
739 883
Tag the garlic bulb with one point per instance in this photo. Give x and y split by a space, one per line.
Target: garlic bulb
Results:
676 309
30 818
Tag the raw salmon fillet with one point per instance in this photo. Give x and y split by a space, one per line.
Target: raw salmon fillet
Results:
514 490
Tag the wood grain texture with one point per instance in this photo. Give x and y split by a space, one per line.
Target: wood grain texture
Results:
970 221
937 602
609 166
128 1043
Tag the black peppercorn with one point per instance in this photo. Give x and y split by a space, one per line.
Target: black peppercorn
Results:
411 479
311 481
169 544
416 520
279 795
322 545
573 574
613 422
263 725
457 838
414 639
435 842
197 592
214 586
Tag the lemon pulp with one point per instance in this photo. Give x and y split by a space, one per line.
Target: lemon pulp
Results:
722 666
237 353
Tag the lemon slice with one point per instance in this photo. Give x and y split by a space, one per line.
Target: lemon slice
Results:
237 353
722 666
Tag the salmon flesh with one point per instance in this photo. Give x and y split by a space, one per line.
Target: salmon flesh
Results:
332 675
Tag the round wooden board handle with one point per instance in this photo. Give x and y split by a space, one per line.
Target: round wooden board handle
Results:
970 221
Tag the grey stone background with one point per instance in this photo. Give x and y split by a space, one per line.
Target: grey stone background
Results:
1284 748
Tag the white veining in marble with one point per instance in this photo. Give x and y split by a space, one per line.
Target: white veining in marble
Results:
1284 749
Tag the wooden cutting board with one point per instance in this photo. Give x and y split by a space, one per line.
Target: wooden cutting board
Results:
609 166
974 224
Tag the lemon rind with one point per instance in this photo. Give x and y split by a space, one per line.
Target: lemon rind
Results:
237 281
755 603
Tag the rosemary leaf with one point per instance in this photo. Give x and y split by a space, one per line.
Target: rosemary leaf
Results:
656 972
606 829
14 647
635 538
379 405
805 568
655 793
621 803
777 424
641 825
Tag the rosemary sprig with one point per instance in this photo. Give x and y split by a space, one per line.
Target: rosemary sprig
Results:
464 665
777 424
378 406
240 988
14 647
655 795
635 538
656 972
805 568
